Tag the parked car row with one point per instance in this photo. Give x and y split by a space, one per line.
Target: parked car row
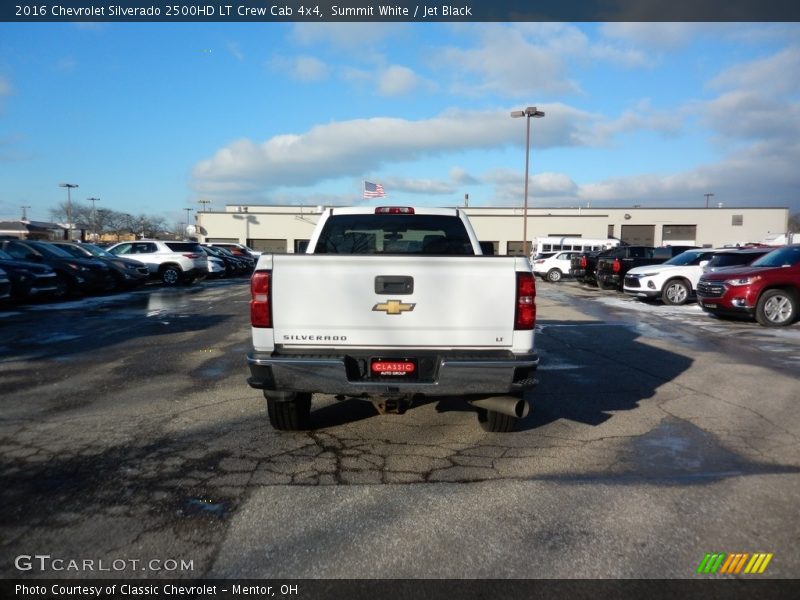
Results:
759 282
61 269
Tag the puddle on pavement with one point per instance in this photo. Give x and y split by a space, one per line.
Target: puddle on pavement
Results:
160 302
201 506
678 448
211 372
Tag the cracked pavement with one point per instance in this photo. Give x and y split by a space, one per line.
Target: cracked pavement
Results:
127 431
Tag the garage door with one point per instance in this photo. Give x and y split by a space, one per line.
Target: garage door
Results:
273 246
679 235
639 235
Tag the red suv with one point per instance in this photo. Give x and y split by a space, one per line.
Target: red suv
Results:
768 288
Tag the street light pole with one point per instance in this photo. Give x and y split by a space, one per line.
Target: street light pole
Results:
94 217
204 203
188 210
529 112
69 187
707 197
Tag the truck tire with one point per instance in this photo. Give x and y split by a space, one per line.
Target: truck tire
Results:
776 308
171 275
495 422
63 287
676 292
554 275
289 411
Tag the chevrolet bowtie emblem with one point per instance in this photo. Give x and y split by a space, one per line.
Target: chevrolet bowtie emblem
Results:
393 307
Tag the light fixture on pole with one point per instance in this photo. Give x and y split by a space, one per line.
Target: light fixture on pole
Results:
24 213
204 203
707 197
529 112
69 187
94 217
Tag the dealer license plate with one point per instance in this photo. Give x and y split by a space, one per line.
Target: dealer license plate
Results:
393 368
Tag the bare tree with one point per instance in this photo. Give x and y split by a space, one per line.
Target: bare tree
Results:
81 214
794 223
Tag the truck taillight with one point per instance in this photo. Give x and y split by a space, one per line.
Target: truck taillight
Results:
525 314
617 266
394 210
260 299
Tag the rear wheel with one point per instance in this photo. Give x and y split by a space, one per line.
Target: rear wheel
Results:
289 411
776 308
554 275
676 292
171 275
63 288
495 422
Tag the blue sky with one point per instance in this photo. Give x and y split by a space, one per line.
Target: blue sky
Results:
152 117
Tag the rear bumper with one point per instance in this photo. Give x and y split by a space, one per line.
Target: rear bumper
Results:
449 375
609 279
640 293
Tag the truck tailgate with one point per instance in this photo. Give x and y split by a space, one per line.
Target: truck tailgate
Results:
326 301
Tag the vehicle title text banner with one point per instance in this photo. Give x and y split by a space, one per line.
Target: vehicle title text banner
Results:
340 11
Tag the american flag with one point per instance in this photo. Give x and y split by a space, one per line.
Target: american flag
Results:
373 190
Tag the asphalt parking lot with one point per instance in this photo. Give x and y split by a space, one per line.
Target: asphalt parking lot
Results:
657 435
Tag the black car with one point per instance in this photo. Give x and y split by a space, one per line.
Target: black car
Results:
233 265
5 286
735 257
127 273
247 261
76 276
28 279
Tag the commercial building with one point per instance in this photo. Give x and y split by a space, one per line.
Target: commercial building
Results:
281 229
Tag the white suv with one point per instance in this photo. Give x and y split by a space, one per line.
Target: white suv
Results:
172 262
674 281
553 266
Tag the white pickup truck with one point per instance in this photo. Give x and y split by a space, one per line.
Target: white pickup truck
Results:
388 304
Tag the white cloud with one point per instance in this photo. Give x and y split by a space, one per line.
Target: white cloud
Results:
351 148
744 115
639 118
552 185
460 177
505 62
308 68
776 74
397 80
66 64
348 36
755 176
417 186
301 68
524 60
236 51
5 87
654 35
543 188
